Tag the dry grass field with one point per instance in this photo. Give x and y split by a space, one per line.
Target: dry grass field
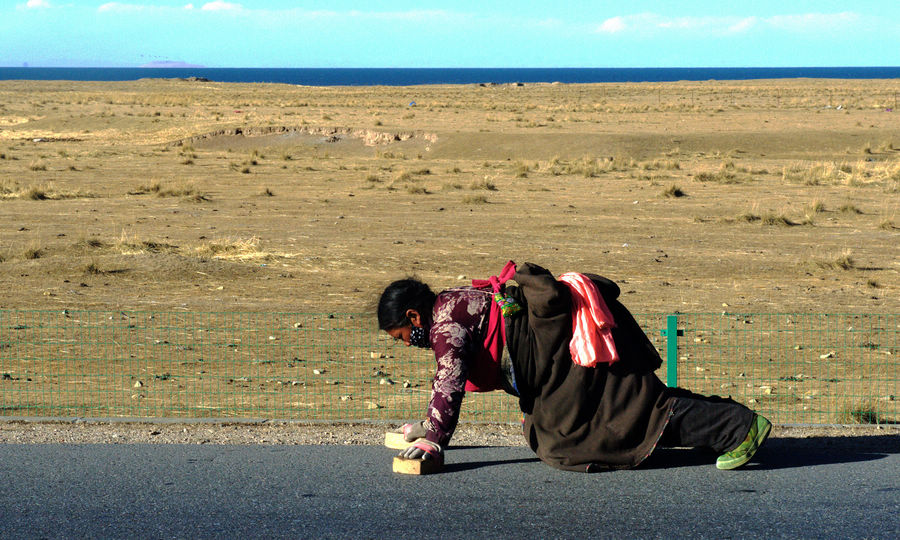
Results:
762 196
194 196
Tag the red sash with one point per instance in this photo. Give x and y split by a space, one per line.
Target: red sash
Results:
484 373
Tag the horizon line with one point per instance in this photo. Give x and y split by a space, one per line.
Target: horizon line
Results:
175 67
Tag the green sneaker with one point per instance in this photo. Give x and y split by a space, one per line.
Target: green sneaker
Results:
759 430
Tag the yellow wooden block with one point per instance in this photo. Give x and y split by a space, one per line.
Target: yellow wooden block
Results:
395 440
416 466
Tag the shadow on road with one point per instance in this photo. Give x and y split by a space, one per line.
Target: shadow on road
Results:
468 466
788 452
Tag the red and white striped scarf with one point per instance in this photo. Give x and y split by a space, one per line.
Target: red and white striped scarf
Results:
592 323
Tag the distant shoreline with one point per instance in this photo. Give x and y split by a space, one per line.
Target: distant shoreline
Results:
423 76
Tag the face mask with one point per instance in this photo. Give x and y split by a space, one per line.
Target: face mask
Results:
419 338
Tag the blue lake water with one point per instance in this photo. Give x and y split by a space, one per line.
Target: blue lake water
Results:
414 76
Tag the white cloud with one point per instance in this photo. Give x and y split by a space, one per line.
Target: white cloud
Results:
216 5
35 4
613 26
743 25
116 6
651 23
219 5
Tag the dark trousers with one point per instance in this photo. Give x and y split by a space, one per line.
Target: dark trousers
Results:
712 422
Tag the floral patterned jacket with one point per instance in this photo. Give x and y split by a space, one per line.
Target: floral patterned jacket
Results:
457 334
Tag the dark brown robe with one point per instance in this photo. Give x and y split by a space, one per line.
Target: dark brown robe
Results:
579 418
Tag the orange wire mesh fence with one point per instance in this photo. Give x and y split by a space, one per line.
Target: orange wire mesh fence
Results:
795 368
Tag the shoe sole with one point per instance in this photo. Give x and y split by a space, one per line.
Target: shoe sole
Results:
760 439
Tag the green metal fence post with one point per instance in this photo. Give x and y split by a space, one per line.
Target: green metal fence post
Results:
671 335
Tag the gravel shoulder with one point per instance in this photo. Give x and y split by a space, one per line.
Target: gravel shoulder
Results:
80 431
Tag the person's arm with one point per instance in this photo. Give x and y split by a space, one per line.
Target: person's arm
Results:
451 345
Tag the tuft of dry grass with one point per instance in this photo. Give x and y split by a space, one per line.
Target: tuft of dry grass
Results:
8 187
32 253
237 249
11 190
35 193
402 176
844 261
129 245
862 173
770 218
92 268
91 243
182 189
475 199
589 167
817 207
486 184
674 191
726 174
176 190
860 413
777 219
521 170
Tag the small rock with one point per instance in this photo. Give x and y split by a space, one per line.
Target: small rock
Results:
826 355
346 398
298 325
272 338
386 381
372 405
752 401
138 384
318 371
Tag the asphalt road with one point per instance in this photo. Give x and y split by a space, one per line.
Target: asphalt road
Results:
798 488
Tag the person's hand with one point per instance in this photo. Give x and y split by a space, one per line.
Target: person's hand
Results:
424 449
413 431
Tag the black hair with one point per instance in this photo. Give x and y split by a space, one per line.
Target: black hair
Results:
401 295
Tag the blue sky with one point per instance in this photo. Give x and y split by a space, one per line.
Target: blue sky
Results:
465 33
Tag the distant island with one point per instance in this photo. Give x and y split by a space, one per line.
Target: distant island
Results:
168 64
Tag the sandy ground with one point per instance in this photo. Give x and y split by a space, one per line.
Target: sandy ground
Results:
758 196
178 196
